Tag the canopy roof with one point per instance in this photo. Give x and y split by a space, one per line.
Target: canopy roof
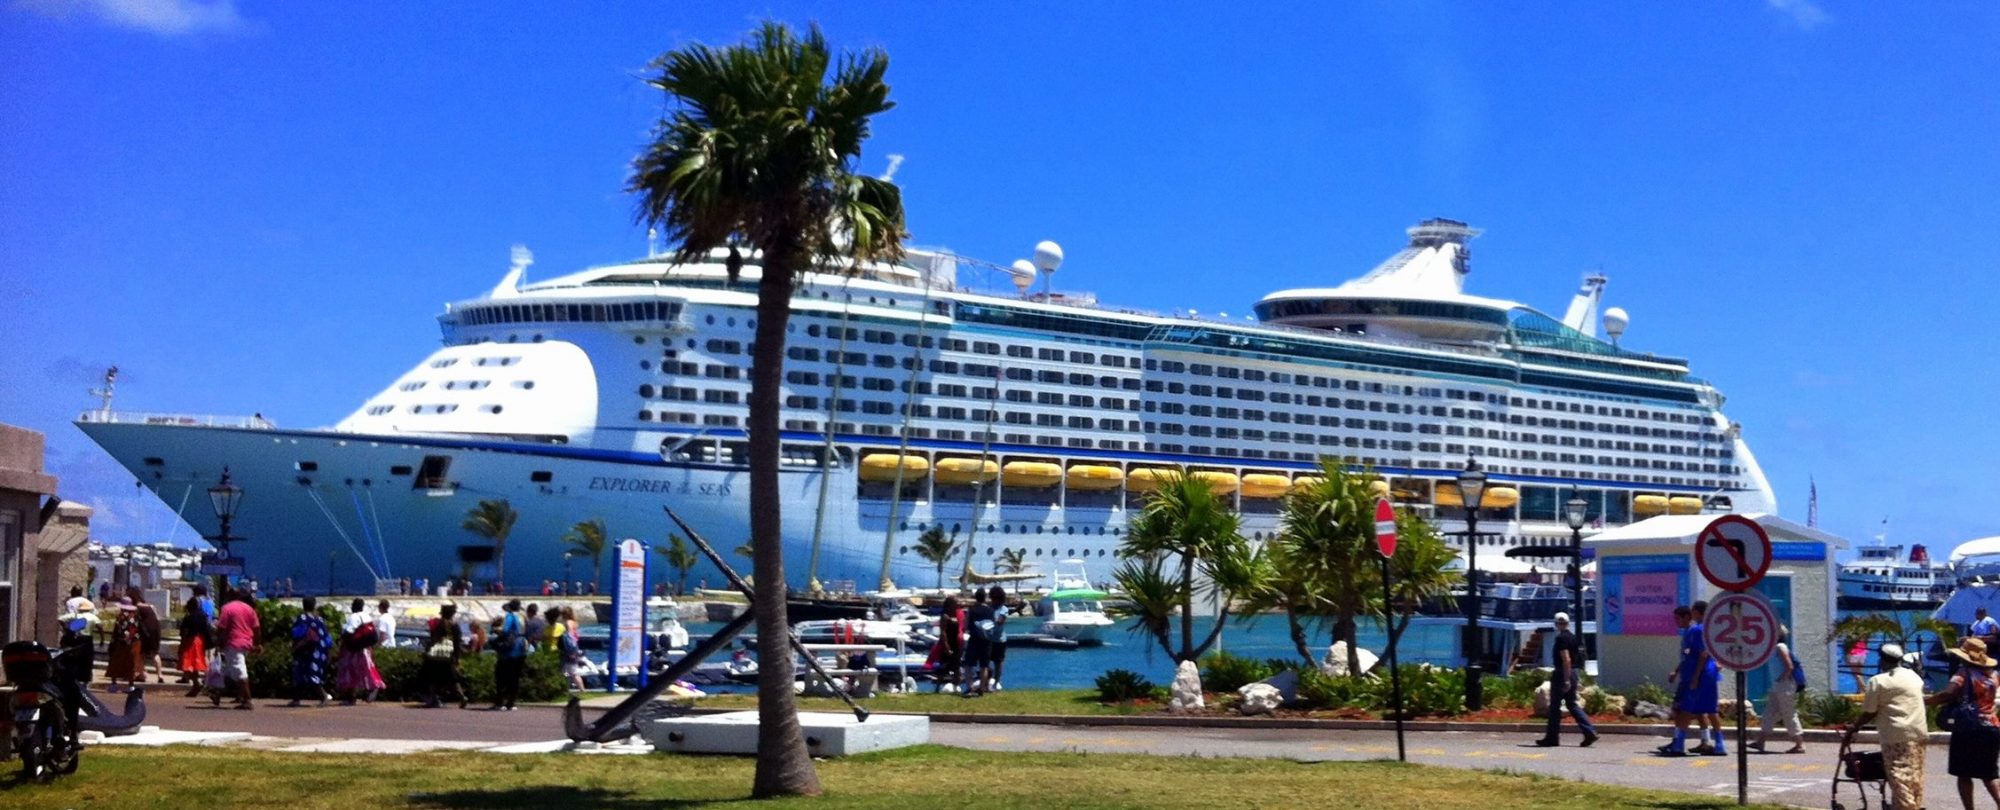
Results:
1682 530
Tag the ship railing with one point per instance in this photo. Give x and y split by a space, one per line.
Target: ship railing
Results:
175 419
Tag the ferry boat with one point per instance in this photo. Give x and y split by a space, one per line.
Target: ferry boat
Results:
1014 419
1882 579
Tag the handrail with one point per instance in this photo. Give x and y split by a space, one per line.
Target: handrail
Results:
175 419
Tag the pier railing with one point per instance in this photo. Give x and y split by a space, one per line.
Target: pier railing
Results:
175 419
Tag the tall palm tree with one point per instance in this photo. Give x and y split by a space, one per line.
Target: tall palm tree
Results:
1013 560
1329 527
937 549
589 538
1420 572
493 520
681 558
758 153
1186 520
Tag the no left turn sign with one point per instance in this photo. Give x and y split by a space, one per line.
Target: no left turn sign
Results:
1733 553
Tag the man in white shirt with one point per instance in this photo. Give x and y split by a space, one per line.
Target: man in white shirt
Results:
1894 701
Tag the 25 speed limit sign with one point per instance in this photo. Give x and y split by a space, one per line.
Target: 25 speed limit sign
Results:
1741 631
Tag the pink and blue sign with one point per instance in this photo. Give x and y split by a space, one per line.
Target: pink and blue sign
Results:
1640 593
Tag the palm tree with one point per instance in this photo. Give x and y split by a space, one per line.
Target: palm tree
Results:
1185 519
1328 529
588 538
493 520
681 558
1013 560
1874 628
1420 572
937 549
757 152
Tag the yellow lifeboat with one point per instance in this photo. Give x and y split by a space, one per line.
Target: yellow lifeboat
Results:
1265 485
1446 494
1094 477
889 466
1147 479
1684 505
965 471
1379 489
1221 483
1649 505
1031 474
1305 482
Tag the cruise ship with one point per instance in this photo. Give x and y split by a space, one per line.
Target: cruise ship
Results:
1012 416
1881 578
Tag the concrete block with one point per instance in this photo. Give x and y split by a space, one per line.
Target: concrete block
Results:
828 734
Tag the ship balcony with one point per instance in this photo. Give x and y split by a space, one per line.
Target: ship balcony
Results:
257 422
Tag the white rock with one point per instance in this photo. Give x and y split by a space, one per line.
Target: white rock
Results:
1542 699
1335 663
1259 698
1187 688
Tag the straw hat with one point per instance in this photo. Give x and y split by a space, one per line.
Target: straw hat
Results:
1972 651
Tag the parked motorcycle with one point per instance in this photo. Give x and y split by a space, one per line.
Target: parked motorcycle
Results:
38 728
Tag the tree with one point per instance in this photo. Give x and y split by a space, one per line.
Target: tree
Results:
1013 560
937 549
681 558
1326 538
1420 572
493 520
1184 519
758 152
588 538
1876 628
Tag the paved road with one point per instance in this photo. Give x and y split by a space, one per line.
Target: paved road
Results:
1616 759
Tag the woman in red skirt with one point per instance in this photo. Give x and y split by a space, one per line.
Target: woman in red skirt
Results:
195 642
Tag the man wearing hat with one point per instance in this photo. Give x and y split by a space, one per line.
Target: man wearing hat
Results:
1894 701
1563 683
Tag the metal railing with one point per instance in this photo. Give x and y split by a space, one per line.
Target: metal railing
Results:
174 419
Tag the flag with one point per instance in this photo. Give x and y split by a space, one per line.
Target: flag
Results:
1812 505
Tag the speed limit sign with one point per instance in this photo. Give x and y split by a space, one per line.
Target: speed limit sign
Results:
1740 631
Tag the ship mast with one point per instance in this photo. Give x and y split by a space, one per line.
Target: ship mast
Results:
109 390
826 449
903 448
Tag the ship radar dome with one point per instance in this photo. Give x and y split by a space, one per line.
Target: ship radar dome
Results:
1048 256
1615 321
1024 274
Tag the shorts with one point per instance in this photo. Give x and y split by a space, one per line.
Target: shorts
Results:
1699 697
235 664
978 652
998 653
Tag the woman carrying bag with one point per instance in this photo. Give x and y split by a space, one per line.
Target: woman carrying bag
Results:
1969 716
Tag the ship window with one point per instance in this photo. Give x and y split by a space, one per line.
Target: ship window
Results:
308 466
541 476
400 469
155 461
432 474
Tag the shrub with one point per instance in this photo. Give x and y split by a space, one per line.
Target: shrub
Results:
1596 701
1431 691
1823 709
1124 686
274 619
1515 691
1318 690
1651 693
402 672
1222 672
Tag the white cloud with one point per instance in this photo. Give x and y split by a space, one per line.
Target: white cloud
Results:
1804 13
167 18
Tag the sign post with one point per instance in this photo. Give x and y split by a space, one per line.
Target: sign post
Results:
628 614
1741 628
1385 542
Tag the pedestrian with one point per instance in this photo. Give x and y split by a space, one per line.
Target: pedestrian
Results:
104 592
356 674
124 663
83 657
566 641
311 643
534 627
207 604
1788 681
441 651
1894 701
949 651
978 645
1984 628
1564 685
197 639
511 644
997 657
236 628
75 599
1695 696
149 636
1711 683
403 586
423 586
1975 731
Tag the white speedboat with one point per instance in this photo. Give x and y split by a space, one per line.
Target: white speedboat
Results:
1073 611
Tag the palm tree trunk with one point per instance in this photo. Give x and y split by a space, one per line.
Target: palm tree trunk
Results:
1187 607
1345 630
1221 618
500 560
1298 629
784 766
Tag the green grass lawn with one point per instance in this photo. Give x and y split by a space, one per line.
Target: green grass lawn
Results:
925 777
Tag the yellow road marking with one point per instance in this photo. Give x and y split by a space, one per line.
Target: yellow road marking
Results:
995 739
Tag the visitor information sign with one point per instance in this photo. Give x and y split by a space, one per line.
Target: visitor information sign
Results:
628 623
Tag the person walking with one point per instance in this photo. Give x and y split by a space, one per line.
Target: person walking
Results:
996 657
1564 683
441 651
1894 701
197 639
535 628
123 660
356 674
236 627
978 645
311 642
564 634
149 636
1975 730
1708 691
1984 628
510 642
1681 677
1788 681
949 651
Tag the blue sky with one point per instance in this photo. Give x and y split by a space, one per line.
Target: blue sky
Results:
262 206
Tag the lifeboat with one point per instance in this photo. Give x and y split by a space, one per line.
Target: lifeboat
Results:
1094 477
1304 482
1684 505
889 467
1147 479
1446 494
1649 505
1221 483
1379 489
1265 485
965 471
1031 474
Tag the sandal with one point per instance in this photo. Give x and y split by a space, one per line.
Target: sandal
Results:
1796 749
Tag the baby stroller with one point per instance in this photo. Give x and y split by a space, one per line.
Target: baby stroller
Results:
1860 769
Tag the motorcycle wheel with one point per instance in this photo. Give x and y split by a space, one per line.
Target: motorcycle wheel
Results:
48 744
33 758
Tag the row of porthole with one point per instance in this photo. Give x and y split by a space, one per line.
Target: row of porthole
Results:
1007 528
990 551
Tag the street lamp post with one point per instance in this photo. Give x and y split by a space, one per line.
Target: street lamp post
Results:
1472 487
1575 511
224 497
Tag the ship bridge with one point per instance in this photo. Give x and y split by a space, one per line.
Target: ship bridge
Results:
1416 294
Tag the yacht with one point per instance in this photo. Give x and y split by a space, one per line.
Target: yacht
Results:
1882 578
1072 612
942 392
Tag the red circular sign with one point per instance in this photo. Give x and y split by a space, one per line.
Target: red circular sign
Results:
1740 631
1385 527
1733 552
